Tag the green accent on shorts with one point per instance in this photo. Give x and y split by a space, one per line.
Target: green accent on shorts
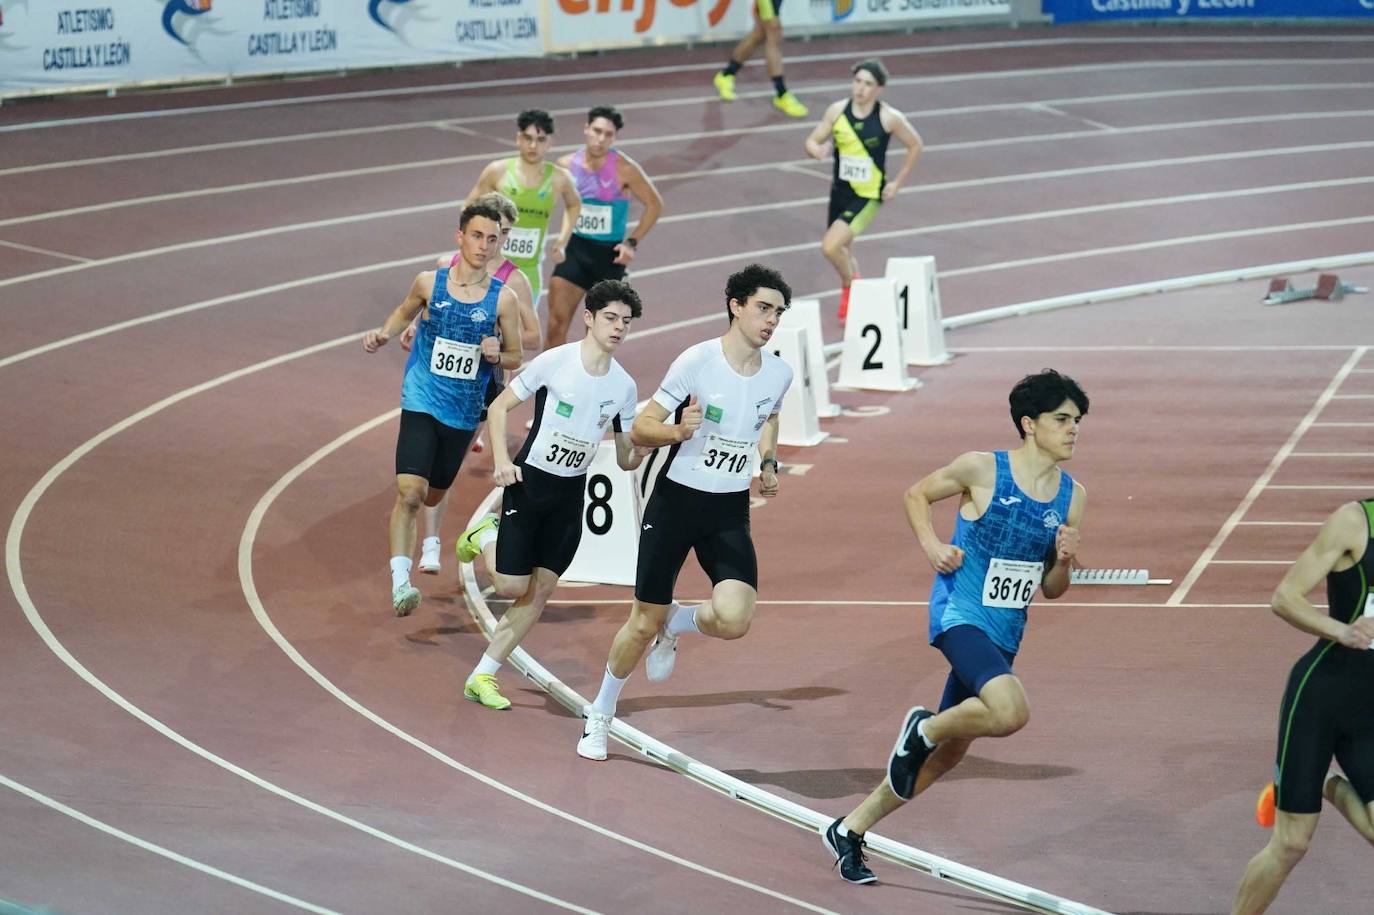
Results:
864 217
766 10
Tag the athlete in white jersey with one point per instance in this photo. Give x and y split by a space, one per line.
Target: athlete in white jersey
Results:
579 390
726 394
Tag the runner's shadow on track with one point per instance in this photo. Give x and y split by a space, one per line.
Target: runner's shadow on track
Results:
764 698
830 784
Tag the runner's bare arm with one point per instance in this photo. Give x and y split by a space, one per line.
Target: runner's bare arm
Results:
529 320
650 430
642 189
901 128
818 141
768 451
416 299
628 455
1341 536
1061 559
969 471
503 471
508 319
572 208
488 180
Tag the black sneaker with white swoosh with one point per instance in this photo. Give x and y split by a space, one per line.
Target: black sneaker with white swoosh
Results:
849 854
909 753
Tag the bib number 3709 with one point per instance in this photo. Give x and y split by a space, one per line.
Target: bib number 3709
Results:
1011 584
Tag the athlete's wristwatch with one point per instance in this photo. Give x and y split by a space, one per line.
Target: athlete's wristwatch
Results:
632 242
763 464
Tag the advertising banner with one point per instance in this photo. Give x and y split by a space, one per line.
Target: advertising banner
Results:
1079 10
889 13
576 24
49 45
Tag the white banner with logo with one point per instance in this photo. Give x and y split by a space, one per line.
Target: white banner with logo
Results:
50 45
892 13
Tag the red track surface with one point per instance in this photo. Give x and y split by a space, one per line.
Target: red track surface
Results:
1152 723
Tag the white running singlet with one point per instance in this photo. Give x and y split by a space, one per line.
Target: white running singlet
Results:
721 456
572 409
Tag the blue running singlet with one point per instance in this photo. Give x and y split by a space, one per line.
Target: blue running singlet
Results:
446 375
1004 556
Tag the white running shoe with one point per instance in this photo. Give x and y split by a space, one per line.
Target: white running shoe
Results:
429 557
662 656
594 731
405 598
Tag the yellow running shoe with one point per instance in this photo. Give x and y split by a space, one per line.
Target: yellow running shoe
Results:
789 105
467 547
725 85
482 688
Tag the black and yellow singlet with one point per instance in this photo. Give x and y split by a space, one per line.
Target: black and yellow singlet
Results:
861 151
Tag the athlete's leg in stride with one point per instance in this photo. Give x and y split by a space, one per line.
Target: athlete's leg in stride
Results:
999 710
563 299
432 520
1267 870
515 624
726 615
881 801
837 244
412 492
1344 798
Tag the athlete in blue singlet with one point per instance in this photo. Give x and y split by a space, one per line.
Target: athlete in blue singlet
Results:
1016 533
446 375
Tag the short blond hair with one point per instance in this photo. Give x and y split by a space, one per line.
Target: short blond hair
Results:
501 204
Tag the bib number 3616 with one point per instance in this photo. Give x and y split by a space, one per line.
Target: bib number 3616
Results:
1011 584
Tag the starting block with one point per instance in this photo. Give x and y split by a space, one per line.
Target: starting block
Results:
1115 577
1329 287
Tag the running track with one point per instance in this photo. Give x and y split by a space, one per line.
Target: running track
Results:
183 279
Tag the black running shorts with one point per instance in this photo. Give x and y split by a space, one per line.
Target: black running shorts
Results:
541 523
1328 710
588 262
679 518
427 448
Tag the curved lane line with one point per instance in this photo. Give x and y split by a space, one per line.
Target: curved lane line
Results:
13 545
156 849
255 603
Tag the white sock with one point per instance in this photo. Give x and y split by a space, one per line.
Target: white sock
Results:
400 571
486 539
430 543
921 729
683 620
610 693
488 665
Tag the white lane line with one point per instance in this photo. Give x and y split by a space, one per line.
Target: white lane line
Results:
1050 109
1354 397
682 217
13 553
159 850
1161 348
772 128
1344 425
255 603
423 260
1259 485
1321 486
48 252
710 66
1331 454
1252 562
1280 523
1125 605
658 104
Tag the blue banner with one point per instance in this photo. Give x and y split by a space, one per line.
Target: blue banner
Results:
1108 10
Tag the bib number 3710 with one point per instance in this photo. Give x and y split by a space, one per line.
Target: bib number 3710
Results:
1011 584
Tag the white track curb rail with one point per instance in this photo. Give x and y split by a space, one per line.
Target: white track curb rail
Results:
788 811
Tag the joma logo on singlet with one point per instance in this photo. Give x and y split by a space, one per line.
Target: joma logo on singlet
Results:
645 19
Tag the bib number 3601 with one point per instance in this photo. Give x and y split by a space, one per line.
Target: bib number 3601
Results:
1011 584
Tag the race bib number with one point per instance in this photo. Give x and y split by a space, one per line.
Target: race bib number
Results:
594 219
856 169
522 243
1010 584
568 451
452 359
726 457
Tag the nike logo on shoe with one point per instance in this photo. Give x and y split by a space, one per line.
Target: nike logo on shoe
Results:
511 511
646 527
1009 500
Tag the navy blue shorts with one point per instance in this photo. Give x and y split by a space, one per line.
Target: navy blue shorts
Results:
974 659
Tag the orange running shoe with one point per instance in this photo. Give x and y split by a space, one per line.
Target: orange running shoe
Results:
844 304
1264 807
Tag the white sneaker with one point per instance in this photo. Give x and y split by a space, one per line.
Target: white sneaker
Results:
594 730
429 557
662 656
405 598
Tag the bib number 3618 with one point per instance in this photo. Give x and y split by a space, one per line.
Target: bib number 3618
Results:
452 359
1011 584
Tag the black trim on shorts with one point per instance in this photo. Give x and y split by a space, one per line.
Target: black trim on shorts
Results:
426 447
540 396
586 262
